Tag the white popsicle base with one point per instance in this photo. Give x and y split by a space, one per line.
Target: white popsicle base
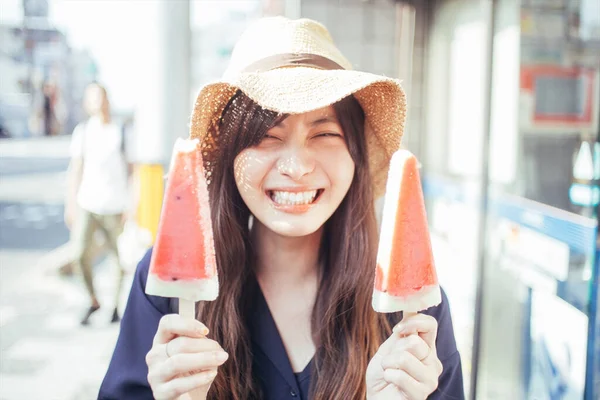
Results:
429 296
195 290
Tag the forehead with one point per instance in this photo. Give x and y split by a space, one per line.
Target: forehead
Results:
94 90
328 111
325 114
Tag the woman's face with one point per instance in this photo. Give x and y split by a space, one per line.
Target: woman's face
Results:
94 99
298 175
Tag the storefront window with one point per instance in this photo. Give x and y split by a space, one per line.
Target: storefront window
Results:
452 158
539 282
541 239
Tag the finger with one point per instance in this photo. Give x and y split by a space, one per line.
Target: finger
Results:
406 383
184 344
415 345
173 325
176 387
387 346
157 353
188 364
181 344
405 361
424 325
433 361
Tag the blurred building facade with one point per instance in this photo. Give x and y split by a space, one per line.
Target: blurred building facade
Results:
42 77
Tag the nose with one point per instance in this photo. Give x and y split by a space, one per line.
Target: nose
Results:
296 164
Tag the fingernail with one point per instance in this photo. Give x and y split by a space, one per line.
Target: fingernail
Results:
202 331
222 356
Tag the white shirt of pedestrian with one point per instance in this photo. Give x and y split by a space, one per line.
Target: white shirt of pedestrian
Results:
103 188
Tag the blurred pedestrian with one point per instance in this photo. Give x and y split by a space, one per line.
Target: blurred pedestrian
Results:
98 190
49 93
49 111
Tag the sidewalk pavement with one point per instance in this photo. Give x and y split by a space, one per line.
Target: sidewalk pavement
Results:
56 147
46 354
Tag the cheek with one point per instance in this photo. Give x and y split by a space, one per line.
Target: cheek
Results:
250 169
339 166
345 175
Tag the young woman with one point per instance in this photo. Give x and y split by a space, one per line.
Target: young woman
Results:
296 148
98 190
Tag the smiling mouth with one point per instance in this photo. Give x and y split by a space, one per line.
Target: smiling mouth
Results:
282 198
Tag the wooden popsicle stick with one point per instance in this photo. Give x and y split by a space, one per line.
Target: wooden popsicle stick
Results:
407 314
187 309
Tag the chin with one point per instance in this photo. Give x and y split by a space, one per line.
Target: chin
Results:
292 229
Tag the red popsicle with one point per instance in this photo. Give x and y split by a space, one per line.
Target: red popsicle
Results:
405 278
183 260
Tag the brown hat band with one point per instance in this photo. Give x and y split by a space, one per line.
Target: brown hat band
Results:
292 60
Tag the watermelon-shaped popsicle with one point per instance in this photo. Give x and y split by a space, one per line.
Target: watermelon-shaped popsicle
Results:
405 278
183 260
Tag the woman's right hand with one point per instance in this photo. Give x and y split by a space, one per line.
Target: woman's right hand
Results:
182 358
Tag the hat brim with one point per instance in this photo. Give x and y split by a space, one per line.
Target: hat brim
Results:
300 89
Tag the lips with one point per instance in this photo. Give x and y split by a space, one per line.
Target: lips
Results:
294 201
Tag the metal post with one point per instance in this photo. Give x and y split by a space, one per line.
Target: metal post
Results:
489 7
164 102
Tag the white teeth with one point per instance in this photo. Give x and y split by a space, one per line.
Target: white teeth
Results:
291 198
307 197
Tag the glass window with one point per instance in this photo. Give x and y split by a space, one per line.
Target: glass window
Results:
541 239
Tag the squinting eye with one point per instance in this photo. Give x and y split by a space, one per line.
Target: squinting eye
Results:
328 134
270 137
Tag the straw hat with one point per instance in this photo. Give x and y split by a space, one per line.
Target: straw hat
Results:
293 66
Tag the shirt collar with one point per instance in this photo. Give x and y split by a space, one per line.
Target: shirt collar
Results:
265 335
95 120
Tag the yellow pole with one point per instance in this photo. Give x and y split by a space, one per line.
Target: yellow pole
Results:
151 186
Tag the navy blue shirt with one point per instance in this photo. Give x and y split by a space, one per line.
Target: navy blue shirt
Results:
126 377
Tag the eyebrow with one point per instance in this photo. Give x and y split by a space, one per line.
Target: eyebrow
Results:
322 120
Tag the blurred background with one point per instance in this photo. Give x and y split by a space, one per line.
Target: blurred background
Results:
503 113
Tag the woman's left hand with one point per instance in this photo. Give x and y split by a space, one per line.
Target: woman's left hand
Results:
406 366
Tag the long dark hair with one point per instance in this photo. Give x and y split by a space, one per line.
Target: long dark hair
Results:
346 330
